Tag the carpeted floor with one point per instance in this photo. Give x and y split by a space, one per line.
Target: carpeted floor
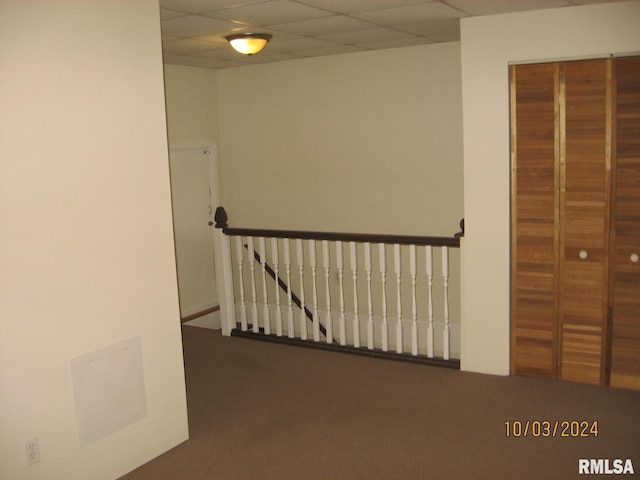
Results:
265 411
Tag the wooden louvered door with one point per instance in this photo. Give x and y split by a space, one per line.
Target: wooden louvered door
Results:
534 246
585 165
561 160
625 291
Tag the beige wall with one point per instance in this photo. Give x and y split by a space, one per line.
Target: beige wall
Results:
86 257
192 104
366 142
489 44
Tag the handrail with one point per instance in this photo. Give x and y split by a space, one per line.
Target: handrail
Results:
221 222
230 327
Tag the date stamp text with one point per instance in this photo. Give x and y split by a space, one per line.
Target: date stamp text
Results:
551 428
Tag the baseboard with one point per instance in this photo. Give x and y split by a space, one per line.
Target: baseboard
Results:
209 318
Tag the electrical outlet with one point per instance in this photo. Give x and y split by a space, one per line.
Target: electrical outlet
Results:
32 448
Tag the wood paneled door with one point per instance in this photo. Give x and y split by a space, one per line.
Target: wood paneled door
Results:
575 314
535 216
624 354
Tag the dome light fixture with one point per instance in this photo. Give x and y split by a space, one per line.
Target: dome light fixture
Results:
248 43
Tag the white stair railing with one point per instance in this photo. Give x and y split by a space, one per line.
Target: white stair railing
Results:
287 262
326 263
383 296
417 290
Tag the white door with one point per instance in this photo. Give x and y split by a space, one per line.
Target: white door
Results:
194 199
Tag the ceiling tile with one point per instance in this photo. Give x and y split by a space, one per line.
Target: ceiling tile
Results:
220 37
383 45
353 6
335 50
368 36
490 7
199 6
302 44
222 54
440 30
167 39
324 26
230 55
404 15
591 2
275 57
279 36
275 11
168 14
194 26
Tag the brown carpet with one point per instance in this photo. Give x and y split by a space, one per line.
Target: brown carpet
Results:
266 411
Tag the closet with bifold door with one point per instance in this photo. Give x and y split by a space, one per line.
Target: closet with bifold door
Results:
575 220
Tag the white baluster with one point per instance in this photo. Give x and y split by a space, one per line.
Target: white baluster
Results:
254 296
276 268
340 267
429 254
354 273
398 270
326 263
383 275
367 269
414 311
313 265
303 316
265 307
287 266
243 305
445 278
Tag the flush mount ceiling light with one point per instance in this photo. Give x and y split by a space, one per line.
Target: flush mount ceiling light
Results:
249 43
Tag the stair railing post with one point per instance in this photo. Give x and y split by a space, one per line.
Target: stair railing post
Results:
224 273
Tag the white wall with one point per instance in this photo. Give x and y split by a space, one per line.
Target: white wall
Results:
365 142
489 44
192 104
86 257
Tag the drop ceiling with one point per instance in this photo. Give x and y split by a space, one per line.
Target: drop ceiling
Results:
193 31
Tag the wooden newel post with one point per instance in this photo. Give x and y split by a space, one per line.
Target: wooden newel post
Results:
224 273
460 234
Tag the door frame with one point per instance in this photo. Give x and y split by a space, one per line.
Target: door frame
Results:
208 148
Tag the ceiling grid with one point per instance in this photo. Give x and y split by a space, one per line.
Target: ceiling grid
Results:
194 31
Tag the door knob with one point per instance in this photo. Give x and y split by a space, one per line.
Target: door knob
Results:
634 257
583 254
